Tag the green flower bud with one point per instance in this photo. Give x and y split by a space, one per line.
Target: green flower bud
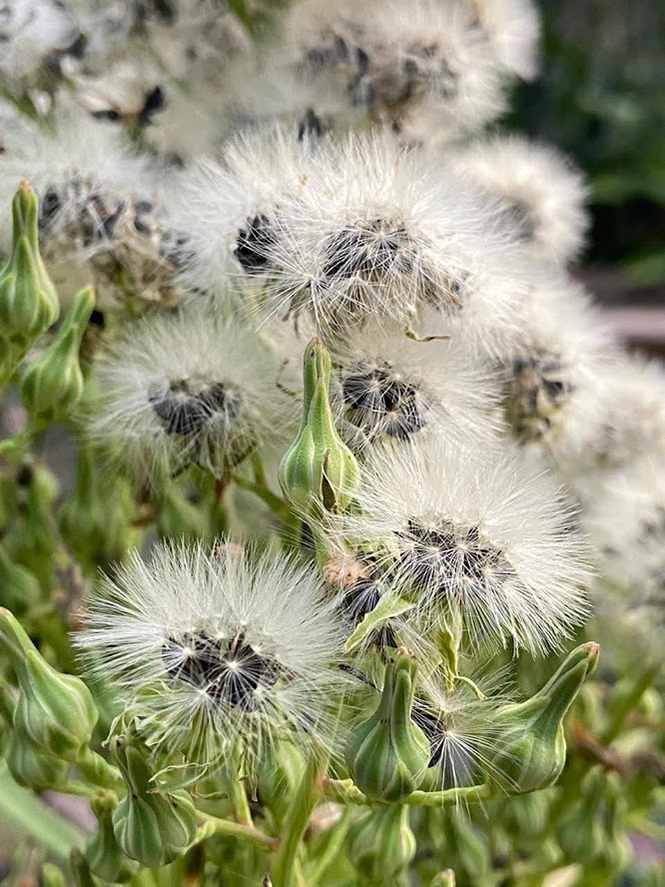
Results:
19 590
279 773
471 853
28 300
387 755
533 747
102 853
51 876
95 520
318 468
55 711
81 874
32 769
150 826
382 844
52 386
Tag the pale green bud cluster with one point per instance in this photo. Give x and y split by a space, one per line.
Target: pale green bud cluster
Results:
28 300
318 470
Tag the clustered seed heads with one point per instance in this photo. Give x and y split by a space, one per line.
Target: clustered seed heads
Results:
354 449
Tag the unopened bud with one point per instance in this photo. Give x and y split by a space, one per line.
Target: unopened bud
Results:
383 844
55 711
444 879
53 384
32 769
533 748
279 773
150 826
102 853
388 754
471 852
95 520
28 300
318 470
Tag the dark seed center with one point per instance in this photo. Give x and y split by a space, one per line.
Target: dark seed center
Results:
230 672
378 401
253 244
183 410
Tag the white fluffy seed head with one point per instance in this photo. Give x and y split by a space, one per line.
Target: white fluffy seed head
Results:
100 218
481 535
462 729
217 651
227 207
401 66
544 195
379 231
625 519
191 388
551 377
391 387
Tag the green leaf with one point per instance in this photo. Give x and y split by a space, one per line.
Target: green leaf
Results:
389 606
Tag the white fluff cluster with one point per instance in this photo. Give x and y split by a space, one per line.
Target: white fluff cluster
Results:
391 387
356 228
190 388
429 64
32 32
481 536
543 193
216 651
100 216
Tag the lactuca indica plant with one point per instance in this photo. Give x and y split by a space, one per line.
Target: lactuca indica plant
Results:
323 482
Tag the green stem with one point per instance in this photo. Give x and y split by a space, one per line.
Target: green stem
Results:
212 825
23 808
98 771
279 506
346 792
626 705
237 796
284 863
332 851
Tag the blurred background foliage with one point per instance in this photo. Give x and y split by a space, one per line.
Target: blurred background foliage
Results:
600 97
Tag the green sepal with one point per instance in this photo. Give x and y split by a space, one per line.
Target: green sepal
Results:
387 755
19 589
532 752
103 854
31 769
151 826
389 606
53 384
55 711
382 844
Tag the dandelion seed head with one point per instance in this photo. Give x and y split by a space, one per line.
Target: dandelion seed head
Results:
190 388
544 195
214 652
480 534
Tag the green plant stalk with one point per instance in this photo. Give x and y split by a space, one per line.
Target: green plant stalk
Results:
346 792
212 825
23 808
332 851
97 770
628 703
284 862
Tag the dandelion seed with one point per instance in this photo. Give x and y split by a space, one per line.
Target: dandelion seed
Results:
190 389
477 535
215 653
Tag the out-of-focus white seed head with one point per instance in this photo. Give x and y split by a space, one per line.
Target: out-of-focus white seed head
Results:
551 377
32 31
100 217
543 194
513 28
191 388
217 652
625 519
481 535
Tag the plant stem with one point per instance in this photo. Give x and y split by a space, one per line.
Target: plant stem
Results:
332 851
98 771
345 792
22 807
282 870
212 825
